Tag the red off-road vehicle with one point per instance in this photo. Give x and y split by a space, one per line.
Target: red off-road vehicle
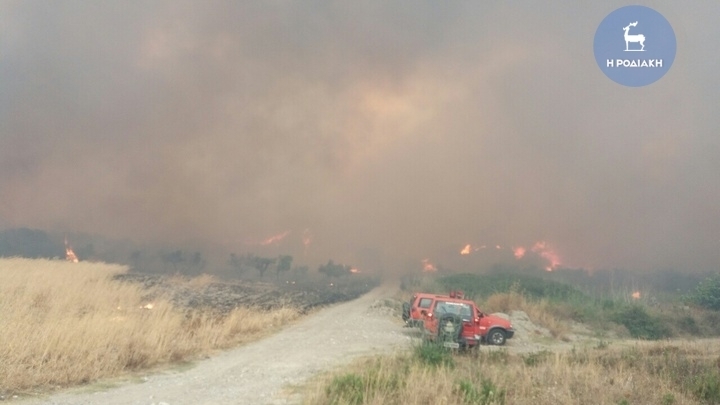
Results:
412 311
456 322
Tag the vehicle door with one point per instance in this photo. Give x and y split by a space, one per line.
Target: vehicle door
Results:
422 308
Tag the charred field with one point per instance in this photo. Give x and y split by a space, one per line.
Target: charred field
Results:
222 297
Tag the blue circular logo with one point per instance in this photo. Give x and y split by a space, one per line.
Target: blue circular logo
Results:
634 46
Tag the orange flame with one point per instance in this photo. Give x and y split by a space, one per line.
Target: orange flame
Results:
548 254
355 270
519 252
636 295
466 250
428 267
69 254
275 239
306 238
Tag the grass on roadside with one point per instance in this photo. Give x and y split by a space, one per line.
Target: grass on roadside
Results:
645 373
70 323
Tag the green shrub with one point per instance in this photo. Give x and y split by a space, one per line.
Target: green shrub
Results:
487 395
640 324
706 386
348 388
434 355
706 294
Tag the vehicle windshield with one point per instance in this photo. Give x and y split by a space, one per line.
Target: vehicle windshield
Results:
456 308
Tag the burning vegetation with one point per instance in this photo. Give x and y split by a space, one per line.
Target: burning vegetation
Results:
69 253
540 248
428 267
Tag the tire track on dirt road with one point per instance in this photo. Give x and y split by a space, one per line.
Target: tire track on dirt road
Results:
257 372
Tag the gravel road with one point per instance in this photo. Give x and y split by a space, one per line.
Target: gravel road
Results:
257 373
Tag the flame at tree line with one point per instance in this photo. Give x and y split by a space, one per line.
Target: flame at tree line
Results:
540 248
69 253
428 267
275 238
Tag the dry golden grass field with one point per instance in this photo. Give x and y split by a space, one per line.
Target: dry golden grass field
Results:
70 323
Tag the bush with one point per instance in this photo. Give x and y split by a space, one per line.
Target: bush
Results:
706 386
706 294
640 324
487 395
434 355
348 388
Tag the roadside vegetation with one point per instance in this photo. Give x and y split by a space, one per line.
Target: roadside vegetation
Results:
72 323
643 373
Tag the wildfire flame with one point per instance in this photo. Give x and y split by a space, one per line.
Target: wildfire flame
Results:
355 270
275 239
306 238
548 254
148 306
541 248
69 254
428 267
635 295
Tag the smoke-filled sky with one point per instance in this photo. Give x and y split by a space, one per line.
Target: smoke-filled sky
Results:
392 129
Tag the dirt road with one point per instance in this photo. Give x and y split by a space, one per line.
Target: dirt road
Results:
258 372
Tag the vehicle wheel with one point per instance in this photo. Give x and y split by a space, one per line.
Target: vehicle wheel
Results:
496 337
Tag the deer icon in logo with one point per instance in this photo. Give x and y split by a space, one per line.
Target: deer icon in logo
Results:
640 38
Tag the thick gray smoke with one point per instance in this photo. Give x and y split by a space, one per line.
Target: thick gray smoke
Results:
373 130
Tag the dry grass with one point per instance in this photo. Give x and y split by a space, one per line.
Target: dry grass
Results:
539 311
684 373
69 323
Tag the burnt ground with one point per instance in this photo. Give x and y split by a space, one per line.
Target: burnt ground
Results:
223 297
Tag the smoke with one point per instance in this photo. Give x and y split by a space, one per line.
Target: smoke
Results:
384 131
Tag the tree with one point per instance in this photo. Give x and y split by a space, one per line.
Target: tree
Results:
334 270
284 265
237 263
261 264
174 258
198 262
